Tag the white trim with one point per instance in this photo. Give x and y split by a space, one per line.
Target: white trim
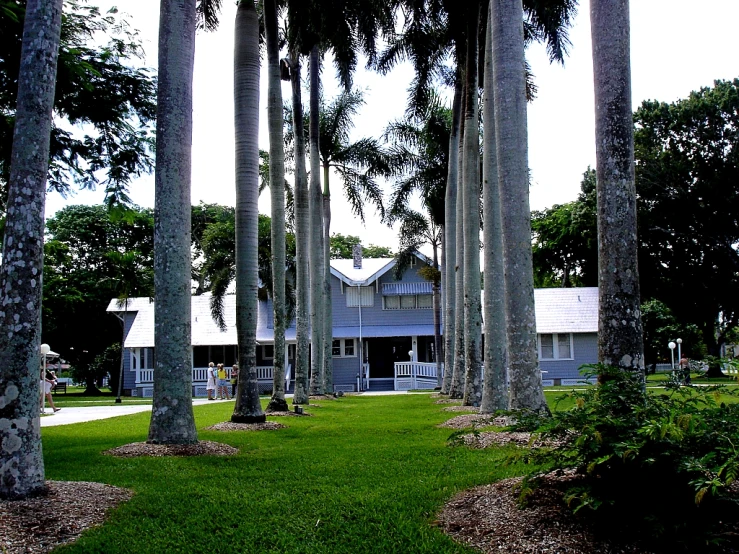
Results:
342 348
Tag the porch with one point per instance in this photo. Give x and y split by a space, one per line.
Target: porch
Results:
144 384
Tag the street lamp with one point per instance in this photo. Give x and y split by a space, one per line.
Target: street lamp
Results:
671 346
45 349
679 353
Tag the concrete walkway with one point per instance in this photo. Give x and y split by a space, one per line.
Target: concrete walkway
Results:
67 416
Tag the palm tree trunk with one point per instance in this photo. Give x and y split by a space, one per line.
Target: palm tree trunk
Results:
512 147
172 420
495 394
317 229
277 194
436 298
620 342
246 113
471 223
457 387
450 238
328 330
302 239
21 456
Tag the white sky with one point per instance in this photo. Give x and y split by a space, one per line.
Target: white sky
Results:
676 46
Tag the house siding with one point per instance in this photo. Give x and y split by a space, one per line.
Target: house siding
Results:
585 350
129 376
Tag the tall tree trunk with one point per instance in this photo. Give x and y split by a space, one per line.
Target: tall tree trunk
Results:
172 420
495 394
302 239
328 330
620 341
436 299
450 238
277 194
457 387
246 121
21 458
526 391
471 222
316 214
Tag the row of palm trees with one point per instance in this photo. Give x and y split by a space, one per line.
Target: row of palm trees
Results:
433 31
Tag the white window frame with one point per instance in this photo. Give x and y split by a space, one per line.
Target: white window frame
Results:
357 295
555 346
264 352
342 348
400 302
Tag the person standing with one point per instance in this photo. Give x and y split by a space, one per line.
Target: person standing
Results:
47 383
234 379
223 383
210 387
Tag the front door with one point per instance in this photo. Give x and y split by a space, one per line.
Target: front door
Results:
383 353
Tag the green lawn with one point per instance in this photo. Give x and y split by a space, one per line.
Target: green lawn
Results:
365 474
75 397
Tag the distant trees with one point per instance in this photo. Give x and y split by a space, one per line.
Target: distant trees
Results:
341 247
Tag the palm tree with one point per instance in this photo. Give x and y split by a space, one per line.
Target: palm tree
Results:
317 273
450 238
418 158
471 222
456 389
172 420
302 230
512 153
620 341
23 254
494 394
277 191
246 114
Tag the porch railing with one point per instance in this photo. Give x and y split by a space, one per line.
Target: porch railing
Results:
415 375
200 374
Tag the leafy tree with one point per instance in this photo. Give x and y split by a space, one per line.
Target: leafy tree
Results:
661 327
92 254
687 168
21 273
103 105
564 238
342 245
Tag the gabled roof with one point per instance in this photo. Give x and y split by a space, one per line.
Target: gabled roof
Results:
564 310
372 269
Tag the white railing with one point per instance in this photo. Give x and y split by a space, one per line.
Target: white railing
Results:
366 371
200 374
414 375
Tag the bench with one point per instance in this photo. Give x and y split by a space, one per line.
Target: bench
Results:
60 387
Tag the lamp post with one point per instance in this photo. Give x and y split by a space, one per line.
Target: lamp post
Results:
45 349
671 346
679 353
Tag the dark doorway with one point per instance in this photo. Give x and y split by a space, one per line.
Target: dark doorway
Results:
383 353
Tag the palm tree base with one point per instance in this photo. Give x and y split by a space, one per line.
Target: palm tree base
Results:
244 418
277 405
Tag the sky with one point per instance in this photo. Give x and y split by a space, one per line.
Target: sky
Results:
677 46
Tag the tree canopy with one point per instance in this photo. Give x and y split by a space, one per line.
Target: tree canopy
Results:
104 103
341 247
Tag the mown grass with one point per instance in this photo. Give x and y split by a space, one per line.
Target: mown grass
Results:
364 474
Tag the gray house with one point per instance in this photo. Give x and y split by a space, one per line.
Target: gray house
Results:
382 328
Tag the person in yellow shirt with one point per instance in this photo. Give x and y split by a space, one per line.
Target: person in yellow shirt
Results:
223 383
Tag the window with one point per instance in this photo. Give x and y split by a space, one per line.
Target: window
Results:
408 302
343 348
553 346
360 296
391 302
268 351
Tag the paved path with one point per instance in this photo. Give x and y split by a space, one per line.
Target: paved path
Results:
67 416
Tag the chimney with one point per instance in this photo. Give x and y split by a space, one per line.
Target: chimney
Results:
357 256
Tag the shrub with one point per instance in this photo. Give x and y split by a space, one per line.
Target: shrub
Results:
652 467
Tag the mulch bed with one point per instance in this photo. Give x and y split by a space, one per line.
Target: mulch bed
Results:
231 426
475 421
41 524
287 414
489 519
200 448
462 409
442 400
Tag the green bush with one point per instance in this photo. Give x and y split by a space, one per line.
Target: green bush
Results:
651 467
